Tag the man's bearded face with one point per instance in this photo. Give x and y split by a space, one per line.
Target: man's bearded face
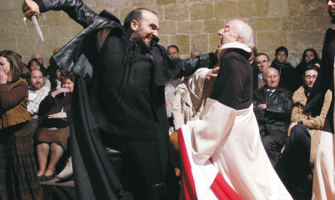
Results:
143 39
147 29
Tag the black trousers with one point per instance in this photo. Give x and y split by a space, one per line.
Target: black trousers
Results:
137 165
297 150
295 158
272 149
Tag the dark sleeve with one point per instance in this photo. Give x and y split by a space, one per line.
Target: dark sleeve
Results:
46 104
169 69
76 9
282 109
10 99
326 65
191 65
228 87
259 113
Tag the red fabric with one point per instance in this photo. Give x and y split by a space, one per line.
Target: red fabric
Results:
223 190
187 190
220 187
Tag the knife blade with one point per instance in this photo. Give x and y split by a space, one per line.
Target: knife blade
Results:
36 25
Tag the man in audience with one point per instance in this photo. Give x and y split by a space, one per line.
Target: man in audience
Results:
170 88
273 106
262 62
39 57
195 52
173 51
37 92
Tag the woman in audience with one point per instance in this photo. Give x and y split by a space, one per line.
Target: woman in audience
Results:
35 64
18 178
304 135
53 131
54 77
307 56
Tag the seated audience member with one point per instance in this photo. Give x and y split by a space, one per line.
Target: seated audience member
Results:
173 51
53 130
299 154
170 88
37 92
286 71
34 64
272 106
54 77
195 52
39 57
307 56
262 63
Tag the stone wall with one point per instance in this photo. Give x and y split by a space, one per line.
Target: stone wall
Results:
296 24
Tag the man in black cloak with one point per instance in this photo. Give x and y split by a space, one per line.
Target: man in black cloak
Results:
120 131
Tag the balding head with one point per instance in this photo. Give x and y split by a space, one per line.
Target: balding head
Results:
271 78
38 57
237 31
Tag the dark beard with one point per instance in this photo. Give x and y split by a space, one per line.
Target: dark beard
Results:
142 45
140 41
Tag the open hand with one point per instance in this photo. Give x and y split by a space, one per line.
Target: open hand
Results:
3 76
212 74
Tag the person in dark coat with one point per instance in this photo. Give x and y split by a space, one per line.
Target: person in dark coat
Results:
286 70
323 174
126 101
273 106
53 130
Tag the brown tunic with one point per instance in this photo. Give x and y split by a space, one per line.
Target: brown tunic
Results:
18 171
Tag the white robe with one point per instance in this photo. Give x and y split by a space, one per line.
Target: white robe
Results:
324 170
230 140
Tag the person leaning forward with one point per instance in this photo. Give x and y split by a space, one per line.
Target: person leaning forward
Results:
126 123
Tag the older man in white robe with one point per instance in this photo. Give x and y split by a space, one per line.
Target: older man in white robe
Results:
224 141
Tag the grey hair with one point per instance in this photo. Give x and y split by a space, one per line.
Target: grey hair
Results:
195 50
245 31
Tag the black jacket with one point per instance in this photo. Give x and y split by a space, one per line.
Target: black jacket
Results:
287 75
275 119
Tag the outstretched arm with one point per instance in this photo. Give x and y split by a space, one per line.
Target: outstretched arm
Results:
76 9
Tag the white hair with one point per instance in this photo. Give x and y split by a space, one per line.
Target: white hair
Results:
243 30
